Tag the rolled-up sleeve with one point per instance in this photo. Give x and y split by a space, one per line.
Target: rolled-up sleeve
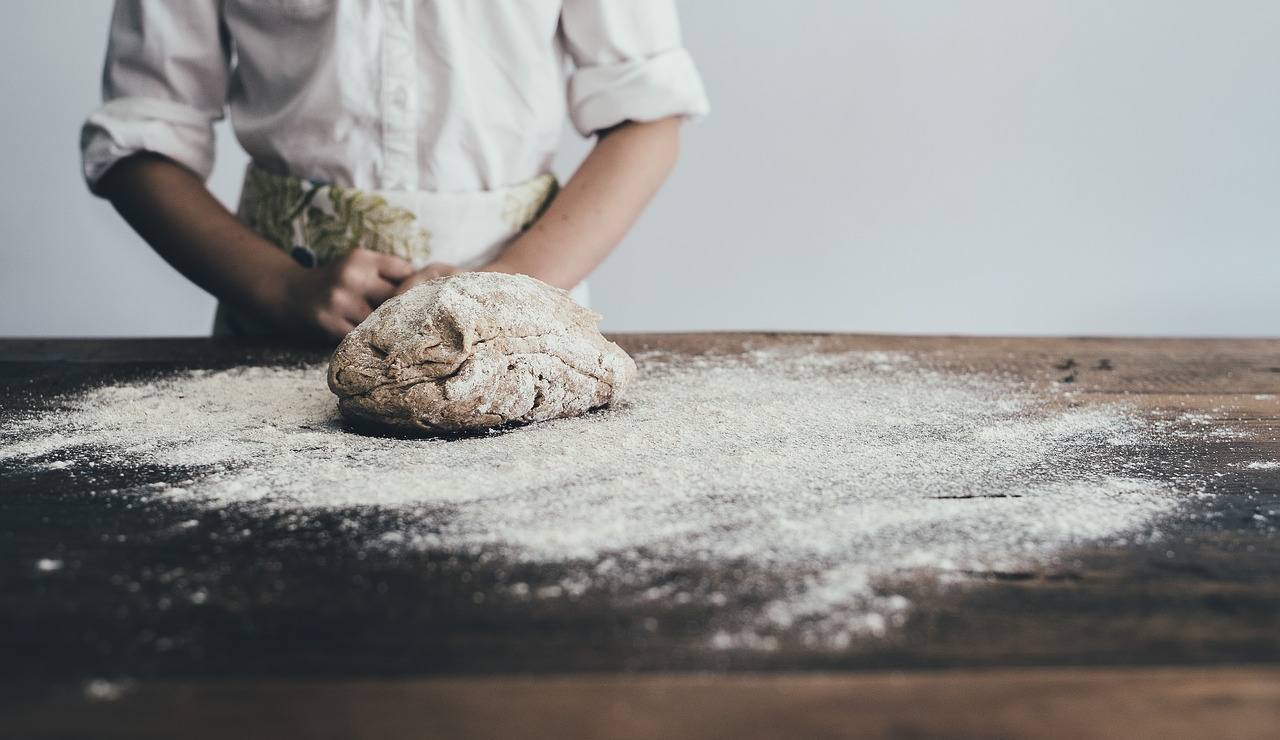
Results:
164 84
630 64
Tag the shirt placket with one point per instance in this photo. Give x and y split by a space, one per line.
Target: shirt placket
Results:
399 97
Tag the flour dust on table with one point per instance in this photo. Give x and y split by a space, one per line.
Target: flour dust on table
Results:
819 480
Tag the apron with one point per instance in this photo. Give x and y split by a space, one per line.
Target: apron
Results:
316 223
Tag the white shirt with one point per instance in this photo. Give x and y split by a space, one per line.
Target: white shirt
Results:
434 95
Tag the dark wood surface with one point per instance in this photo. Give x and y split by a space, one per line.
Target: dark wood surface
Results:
1028 703
301 623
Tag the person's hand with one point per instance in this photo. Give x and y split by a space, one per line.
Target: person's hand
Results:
430 272
331 300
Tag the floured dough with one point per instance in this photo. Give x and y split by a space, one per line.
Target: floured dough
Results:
474 351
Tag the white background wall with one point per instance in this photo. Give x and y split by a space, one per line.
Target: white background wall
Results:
987 166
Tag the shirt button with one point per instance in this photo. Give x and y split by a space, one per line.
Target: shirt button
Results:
399 98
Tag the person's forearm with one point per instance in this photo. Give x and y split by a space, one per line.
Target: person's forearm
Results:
177 215
597 206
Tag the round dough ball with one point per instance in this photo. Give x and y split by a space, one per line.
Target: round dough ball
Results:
474 351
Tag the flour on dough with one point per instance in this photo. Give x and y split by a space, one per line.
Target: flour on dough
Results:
474 351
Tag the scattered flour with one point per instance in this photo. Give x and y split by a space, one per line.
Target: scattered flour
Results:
843 471
48 565
100 689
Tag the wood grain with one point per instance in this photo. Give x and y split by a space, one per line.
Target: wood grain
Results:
1222 704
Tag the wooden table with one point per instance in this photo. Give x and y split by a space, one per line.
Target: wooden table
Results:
1142 640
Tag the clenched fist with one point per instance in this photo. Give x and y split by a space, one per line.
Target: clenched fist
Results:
331 300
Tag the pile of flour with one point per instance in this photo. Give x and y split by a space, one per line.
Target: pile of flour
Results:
845 471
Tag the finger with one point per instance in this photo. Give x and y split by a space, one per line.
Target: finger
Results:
438 269
406 285
378 290
334 327
350 306
393 268
357 311
424 275
428 273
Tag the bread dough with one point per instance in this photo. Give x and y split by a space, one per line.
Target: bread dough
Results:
474 351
